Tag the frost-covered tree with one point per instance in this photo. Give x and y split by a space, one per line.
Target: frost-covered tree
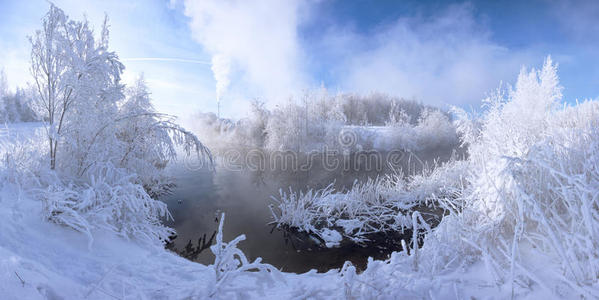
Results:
72 74
108 150
50 72
531 191
17 106
25 98
11 110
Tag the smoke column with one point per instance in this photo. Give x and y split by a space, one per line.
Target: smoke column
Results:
221 67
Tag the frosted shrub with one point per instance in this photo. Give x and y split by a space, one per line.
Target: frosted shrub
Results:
532 189
21 169
17 106
377 109
433 130
557 187
230 262
108 199
310 125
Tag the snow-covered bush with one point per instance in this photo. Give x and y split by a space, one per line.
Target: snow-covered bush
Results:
377 109
109 199
433 130
21 167
533 183
17 107
310 125
524 217
106 197
528 209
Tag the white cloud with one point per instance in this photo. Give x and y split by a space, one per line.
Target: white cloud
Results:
258 37
444 59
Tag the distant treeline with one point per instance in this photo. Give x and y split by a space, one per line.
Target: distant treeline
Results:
16 106
317 120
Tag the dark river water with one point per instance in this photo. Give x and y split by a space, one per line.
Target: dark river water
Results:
201 195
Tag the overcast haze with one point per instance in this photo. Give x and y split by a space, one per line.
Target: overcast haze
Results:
438 52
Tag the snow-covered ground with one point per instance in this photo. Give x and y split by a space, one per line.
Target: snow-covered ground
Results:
523 223
40 260
43 260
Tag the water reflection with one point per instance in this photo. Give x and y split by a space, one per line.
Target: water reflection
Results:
190 251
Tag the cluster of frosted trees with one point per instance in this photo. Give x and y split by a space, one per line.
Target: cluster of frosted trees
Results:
17 106
105 144
317 121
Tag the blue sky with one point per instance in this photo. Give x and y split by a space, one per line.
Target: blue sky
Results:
438 52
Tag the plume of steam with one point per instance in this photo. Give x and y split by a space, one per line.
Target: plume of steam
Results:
221 67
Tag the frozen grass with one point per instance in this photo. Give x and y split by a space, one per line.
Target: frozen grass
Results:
378 205
230 262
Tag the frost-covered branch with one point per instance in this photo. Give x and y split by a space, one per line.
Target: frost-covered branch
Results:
230 262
